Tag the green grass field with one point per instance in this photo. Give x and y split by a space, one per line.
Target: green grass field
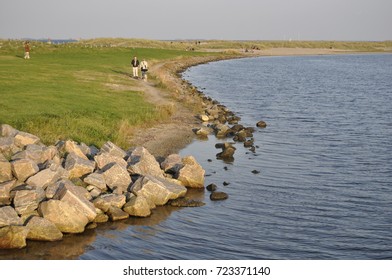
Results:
75 92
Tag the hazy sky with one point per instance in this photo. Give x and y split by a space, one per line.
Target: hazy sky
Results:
198 19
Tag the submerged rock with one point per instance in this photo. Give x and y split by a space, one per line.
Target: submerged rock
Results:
219 196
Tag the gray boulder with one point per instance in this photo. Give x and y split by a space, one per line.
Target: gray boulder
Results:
26 201
192 174
23 139
97 180
104 159
113 150
66 217
78 166
156 190
5 169
5 189
13 237
72 147
172 164
116 200
116 176
9 217
137 206
37 153
24 168
143 163
7 131
116 214
47 177
42 230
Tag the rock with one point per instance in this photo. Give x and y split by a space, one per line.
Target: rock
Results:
212 187
47 176
137 206
221 131
66 217
5 169
94 191
117 176
143 163
192 174
13 237
26 201
101 218
72 147
226 183
24 168
202 132
248 143
7 146
113 150
204 118
172 164
5 189
116 214
23 139
42 230
185 202
261 124
104 159
228 151
76 196
78 166
7 131
116 200
96 180
156 190
37 153
255 171
9 217
219 196
101 204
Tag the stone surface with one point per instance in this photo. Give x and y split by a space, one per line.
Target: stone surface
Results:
172 164
13 237
261 124
5 189
7 131
137 206
116 200
219 196
212 187
158 191
42 230
192 174
143 163
116 214
72 147
97 180
101 218
185 202
24 168
113 150
23 139
117 176
48 176
37 153
104 159
9 217
67 218
26 201
5 169
76 196
78 166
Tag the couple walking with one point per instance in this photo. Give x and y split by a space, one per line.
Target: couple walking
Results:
143 67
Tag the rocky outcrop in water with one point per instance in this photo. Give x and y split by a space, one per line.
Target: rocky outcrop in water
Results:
48 191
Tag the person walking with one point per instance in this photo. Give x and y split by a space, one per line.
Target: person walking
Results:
144 69
27 50
135 67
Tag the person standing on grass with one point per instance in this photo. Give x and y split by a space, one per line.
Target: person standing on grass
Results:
135 67
144 69
27 50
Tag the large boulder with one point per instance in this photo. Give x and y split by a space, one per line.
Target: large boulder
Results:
76 196
9 217
137 206
5 169
116 176
192 174
78 166
66 217
26 201
143 163
8 147
13 237
24 168
37 153
23 139
42 229
116 200
5 189
104 159
116 214
47 177
97 180
72 147
172 164
156 190
7 131
113 150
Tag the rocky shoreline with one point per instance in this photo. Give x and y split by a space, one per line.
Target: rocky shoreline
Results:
48 191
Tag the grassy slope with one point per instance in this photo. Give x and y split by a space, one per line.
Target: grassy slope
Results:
74 92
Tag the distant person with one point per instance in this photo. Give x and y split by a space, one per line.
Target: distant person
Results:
27 50
135 67
144 69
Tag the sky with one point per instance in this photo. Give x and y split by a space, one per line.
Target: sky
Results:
342 20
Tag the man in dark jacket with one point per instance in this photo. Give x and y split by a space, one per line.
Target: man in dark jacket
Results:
135 66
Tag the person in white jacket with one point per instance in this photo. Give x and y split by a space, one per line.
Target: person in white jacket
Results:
144 69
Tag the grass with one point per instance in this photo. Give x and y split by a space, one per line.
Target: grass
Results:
75 92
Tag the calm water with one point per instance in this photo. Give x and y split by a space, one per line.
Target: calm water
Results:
324 190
